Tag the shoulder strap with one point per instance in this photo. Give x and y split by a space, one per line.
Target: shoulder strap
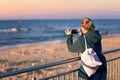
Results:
86 44
85 41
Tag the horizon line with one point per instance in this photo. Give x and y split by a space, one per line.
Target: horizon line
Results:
60 19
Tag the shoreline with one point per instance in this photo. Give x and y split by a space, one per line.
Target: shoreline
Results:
48 42
31 44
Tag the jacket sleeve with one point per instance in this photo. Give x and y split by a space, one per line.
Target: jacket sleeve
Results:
77 46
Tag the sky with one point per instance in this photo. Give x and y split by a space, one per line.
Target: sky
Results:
59 9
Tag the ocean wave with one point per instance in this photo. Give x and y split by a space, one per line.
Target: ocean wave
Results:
13 30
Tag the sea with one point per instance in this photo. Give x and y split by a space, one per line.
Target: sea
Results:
30 32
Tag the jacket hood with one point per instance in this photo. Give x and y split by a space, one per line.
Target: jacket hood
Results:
93 35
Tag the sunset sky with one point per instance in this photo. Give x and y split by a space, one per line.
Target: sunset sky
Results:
59 9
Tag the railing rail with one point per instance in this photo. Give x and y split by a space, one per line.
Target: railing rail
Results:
6 74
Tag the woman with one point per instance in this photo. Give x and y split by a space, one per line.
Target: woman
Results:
94 41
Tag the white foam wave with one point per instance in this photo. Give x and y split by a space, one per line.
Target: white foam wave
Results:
13 30
8 30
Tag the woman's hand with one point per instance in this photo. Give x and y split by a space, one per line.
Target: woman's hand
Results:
68 31
79 30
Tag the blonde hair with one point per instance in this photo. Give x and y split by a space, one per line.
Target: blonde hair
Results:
87 24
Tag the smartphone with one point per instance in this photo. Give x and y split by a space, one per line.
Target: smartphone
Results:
74 31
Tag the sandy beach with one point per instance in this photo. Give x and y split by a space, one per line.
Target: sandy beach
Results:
25 56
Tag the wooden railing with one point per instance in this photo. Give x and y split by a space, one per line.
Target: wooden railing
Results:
113 70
